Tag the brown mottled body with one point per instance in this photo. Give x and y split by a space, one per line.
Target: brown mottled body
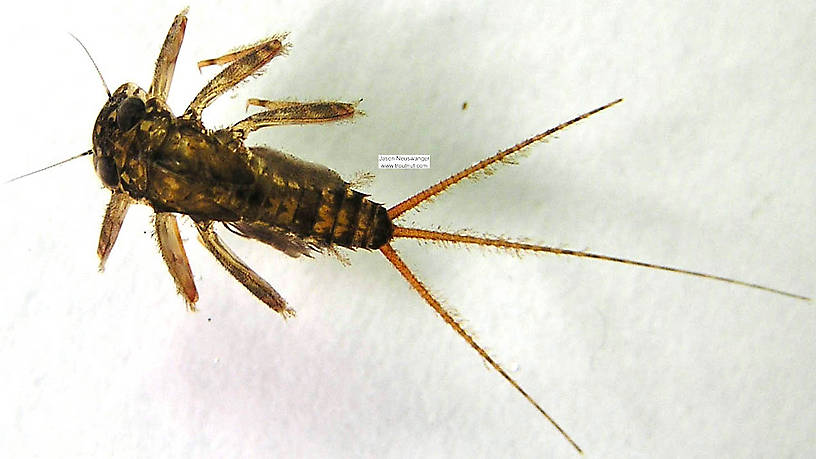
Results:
143 153
177 165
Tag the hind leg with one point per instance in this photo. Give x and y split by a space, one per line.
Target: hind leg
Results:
240 271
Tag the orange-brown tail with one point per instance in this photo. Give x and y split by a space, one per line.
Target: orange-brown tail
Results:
443 237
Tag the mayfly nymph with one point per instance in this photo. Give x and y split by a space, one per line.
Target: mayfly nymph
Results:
145 154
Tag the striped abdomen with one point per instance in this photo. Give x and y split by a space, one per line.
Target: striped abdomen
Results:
313 202
330 215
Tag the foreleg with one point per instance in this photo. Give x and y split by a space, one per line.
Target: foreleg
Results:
111 224
166 63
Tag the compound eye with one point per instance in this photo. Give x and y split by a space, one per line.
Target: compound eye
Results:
129 112
106 170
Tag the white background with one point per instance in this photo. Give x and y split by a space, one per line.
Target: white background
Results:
708 165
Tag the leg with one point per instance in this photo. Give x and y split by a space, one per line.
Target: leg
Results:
111 224
281 240
166 63
172 250
226 58
244 63
239 270
283 112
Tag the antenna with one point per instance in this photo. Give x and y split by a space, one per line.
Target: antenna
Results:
94 64
84 153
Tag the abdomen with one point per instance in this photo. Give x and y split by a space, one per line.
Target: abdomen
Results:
312 201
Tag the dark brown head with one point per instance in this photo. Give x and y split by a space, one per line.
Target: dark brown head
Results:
123 110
